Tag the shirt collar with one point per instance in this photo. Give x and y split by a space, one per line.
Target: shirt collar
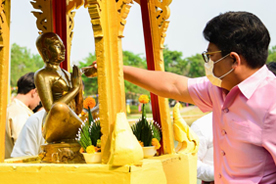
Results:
20 103
249 85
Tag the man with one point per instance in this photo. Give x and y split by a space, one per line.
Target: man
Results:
205 164
240 92
20 109
30 139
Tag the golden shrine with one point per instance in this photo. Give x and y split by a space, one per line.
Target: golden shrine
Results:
108 20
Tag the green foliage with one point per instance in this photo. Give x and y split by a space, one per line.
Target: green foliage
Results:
173 62
90 84
134 109
195 66
83 136
89 134
156 131
95 132
191 66
147 109
22 62
271 55
144 130
131 59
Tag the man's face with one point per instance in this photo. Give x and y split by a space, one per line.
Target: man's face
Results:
224 65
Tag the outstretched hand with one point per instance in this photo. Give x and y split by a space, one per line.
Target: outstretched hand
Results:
94 64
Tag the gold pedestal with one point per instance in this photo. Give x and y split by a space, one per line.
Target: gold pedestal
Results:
61 153
165 169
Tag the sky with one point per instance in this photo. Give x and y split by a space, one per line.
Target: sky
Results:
187 21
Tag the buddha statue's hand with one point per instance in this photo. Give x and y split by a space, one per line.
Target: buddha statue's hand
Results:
76 77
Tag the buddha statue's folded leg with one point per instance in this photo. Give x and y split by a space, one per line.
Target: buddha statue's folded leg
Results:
61 124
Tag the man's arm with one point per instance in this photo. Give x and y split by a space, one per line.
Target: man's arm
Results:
164 84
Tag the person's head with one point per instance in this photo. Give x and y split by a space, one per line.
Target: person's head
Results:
272 67
242 33
26 83
27 90
50 47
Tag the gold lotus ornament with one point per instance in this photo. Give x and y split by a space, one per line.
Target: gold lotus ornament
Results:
187 139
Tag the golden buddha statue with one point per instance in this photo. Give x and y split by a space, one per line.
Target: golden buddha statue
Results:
60 92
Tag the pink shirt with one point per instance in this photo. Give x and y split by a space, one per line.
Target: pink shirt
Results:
244 127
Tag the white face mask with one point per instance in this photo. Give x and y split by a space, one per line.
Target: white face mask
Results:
209 72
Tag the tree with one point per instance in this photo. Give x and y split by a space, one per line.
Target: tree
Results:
90 84
173 62
271 54
131 59
22 62
195 66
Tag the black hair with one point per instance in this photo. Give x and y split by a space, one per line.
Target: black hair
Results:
26 83
272 67
37 107
240 32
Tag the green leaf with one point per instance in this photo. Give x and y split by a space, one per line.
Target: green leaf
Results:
95 132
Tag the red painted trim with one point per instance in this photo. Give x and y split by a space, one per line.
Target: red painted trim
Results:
60 25
150 56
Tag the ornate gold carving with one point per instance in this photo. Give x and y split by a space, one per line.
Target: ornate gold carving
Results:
61 153
2 21
94 9
123 8
44 17
70 26
73 4
161 12
4 69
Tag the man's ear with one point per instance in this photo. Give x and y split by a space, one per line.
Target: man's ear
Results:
33 91
236 59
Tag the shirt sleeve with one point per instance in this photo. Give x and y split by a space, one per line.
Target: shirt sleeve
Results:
199 90
17 124
268 140
26 143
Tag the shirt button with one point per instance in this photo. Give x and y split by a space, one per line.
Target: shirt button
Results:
222 153
219 175
226 110
223 132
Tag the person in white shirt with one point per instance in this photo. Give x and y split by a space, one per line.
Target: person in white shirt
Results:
19 110
205 165
30 139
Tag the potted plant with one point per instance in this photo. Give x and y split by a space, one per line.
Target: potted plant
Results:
147 133
89 135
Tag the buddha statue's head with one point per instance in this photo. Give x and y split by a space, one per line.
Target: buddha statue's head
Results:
51 48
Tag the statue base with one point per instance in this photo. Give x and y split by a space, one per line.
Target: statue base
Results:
61 153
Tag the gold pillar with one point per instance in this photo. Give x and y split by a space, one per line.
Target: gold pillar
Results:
4 69
159 13
108 21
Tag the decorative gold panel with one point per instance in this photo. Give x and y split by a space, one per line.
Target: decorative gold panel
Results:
108 20
159 13
44 17
4 69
